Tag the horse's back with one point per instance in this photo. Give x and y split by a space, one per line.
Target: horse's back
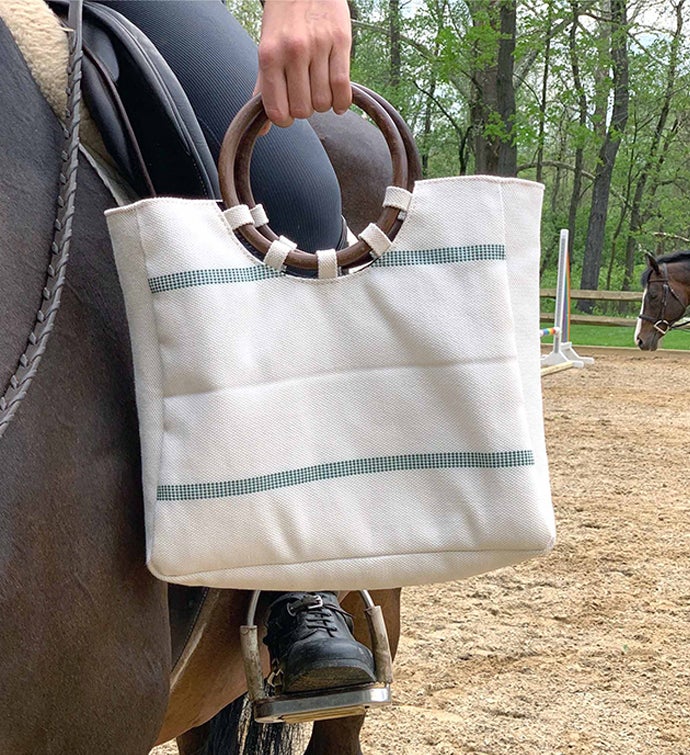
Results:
84 647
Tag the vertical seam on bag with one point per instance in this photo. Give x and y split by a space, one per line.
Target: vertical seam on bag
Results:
152 307
523 404
503 225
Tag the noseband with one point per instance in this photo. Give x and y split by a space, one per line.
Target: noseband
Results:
660 322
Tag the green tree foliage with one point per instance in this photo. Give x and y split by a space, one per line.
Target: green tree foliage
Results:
439 62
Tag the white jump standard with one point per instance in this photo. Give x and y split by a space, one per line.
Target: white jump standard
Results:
562 351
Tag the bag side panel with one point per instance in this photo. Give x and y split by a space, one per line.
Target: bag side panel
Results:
123 225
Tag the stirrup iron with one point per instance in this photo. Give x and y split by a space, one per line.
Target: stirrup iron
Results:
317 706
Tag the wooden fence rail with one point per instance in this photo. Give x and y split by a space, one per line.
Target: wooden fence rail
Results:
583 319
550 293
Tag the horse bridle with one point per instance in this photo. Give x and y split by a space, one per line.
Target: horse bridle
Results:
62 232
660 323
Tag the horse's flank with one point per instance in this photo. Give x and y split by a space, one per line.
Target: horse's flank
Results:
85 643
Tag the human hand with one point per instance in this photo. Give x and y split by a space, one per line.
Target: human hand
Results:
304 58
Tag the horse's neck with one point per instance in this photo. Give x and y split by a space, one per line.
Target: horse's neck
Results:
681 275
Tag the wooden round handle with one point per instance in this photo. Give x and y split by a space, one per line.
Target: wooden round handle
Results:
235 159
242 166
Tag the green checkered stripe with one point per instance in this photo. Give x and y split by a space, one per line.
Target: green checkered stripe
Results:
349 468
393 258
442 256
212 277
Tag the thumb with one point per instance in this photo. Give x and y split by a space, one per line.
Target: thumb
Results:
257 90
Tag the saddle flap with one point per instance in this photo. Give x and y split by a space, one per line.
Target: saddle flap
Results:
144 116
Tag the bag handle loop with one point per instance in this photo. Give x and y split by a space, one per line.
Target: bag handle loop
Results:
414 168
235 159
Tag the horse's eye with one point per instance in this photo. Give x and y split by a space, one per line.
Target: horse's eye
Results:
652 294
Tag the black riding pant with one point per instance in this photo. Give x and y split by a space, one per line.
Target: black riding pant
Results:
215 61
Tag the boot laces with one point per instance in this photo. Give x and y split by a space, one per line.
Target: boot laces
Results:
316 615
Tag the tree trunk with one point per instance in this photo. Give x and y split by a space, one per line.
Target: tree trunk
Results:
609 149
426 135
544 95
507 152
602 88
394 30
582 123
654 156
492 108
354 15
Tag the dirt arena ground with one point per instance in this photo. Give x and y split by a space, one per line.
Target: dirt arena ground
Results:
586 650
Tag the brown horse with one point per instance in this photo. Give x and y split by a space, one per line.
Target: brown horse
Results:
88 637
666 296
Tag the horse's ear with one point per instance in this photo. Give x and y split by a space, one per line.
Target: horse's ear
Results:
651 260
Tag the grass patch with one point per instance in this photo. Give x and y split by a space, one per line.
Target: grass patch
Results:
603 335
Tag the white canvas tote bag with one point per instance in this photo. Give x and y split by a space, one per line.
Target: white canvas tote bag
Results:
372 429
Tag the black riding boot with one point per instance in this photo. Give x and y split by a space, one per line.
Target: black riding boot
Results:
312 647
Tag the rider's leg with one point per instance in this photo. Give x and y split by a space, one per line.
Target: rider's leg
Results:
215 61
